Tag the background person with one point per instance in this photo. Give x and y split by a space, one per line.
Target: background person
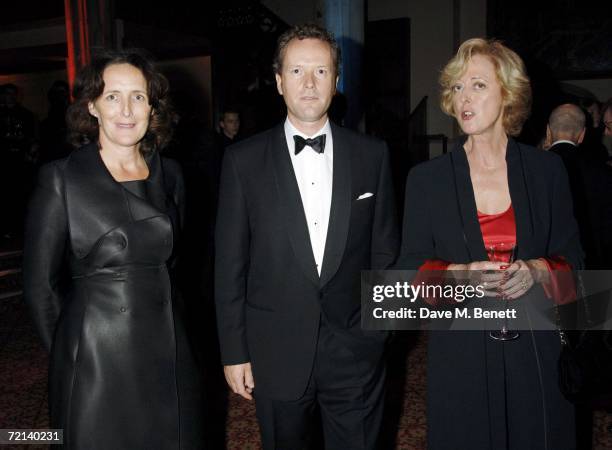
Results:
53 138
590 182
229 127
18 129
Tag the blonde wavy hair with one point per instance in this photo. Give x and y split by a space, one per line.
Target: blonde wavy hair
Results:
511 74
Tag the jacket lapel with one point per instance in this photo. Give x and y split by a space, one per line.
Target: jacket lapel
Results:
96 203
340 213
290 203
517 179
467 205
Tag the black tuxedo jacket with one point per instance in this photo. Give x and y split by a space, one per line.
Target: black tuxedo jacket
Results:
268 293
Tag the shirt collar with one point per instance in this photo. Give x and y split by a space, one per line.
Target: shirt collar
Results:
290 130
564 141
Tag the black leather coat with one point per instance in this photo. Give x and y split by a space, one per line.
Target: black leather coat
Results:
119 364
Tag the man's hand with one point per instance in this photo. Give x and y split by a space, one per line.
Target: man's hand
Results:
239 377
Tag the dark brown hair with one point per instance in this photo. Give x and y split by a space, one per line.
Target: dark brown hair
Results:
89 85
307 31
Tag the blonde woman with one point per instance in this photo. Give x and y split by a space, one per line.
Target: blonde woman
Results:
491 190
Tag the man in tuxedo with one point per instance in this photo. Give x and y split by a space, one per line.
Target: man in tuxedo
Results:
565 131
303 208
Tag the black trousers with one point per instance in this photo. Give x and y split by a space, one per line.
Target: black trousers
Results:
348 391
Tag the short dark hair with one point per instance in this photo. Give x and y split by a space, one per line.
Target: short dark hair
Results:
230 109
307 31
89 85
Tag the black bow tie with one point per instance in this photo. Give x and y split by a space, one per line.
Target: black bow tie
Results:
317 144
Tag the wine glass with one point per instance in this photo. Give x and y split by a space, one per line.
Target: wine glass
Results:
504 253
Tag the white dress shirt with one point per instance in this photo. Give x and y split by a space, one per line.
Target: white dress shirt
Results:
314 174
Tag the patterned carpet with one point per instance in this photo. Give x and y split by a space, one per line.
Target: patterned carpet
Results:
23 380
23 374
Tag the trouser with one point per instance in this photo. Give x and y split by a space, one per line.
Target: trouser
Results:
348 391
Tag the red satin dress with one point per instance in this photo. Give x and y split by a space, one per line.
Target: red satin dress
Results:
499 234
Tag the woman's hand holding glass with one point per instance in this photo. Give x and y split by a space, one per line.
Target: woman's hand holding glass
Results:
490 275
503 280
522 275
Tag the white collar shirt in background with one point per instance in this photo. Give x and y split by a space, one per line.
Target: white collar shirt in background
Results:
564 141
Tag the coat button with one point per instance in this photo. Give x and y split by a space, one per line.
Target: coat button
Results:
123 309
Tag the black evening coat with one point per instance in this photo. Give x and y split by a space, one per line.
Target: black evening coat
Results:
465 383
97 281
590 183
268 292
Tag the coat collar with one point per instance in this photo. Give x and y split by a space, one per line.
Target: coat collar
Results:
519 195
96 203
293 210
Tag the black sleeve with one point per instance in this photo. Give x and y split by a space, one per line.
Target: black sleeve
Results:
417 235
232 241
174 187
564 237
46 235
385 239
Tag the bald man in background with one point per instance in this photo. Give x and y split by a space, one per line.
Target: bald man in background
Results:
565 130
590 183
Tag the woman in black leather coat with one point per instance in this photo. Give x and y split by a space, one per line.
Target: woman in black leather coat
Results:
101 235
